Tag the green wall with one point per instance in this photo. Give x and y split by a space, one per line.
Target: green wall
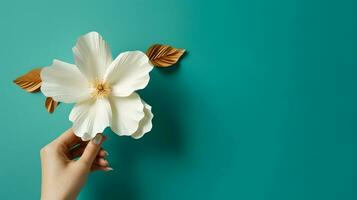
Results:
263 106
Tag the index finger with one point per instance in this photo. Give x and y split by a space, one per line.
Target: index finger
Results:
68 138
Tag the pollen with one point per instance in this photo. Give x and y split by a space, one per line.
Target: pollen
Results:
100 89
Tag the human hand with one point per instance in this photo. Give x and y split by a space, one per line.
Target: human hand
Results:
63 175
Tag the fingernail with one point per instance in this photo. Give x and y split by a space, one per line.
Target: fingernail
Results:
109 169
106 153
97 139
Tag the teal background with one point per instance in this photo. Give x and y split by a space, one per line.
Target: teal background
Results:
263 105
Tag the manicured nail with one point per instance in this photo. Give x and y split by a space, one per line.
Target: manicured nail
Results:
106 153
97 139
109 169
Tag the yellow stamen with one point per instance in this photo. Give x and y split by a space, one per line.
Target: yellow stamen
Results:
100 89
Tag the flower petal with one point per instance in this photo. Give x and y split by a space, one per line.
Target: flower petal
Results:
91 117
64 82
145 124
127 113
92 55
128 73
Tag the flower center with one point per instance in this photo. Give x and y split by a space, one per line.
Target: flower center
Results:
100 89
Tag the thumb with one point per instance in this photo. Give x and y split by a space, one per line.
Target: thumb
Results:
92 149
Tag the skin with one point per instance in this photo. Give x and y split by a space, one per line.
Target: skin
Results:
66 163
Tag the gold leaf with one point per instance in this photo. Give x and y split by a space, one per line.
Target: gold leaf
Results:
51 104
31 81
164 55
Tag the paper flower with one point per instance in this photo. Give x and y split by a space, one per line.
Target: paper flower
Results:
102 89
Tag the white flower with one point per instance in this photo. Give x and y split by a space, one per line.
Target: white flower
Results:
102 88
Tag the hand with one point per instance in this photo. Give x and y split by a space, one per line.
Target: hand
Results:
63 175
